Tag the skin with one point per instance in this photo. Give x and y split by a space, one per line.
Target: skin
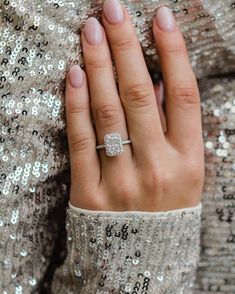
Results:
163 168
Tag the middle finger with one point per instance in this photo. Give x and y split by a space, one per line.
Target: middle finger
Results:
135 84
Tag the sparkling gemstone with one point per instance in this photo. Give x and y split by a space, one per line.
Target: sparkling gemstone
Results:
113 144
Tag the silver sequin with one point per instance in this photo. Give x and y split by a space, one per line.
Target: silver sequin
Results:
39 41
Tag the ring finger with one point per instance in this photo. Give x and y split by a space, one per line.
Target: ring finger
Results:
105 102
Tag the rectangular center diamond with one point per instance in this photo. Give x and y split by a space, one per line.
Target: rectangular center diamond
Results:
113 144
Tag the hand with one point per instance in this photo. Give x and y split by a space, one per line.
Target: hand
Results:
160 170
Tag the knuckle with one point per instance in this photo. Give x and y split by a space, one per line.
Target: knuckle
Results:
125 44
164 184
195 173
96 64
186 94
153 179
76 109
164 181
108 116
138 95
176 50
161 179
80 143
125 194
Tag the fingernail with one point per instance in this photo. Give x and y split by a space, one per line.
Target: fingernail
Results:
165 19
76 76
113 11
93 31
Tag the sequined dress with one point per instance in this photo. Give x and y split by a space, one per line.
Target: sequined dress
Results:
47 246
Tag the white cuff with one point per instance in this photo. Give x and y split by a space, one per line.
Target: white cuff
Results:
140 213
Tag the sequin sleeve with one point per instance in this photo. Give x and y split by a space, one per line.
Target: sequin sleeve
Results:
130 252
39 42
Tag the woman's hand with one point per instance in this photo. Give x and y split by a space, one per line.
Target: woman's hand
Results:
160 170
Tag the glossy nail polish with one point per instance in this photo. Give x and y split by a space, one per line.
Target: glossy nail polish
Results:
165 19
76 76
113 11
93 31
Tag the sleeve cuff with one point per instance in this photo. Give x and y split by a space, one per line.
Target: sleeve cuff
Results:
115 251
78 210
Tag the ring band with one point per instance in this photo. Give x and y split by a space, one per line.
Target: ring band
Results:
113 144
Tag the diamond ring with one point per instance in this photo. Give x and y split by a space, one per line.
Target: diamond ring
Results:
113 144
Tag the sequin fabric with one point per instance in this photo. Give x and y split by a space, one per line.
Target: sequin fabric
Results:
216 272
39 41
151 253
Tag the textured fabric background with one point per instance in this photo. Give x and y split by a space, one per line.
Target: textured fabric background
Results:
39 41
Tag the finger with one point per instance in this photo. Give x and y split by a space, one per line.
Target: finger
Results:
81 137
135 85
183 102
105 102
159 93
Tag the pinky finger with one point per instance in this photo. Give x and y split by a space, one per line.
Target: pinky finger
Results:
85 167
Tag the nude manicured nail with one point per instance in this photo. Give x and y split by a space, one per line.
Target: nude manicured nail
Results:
113 11
165 19
76 76
93 31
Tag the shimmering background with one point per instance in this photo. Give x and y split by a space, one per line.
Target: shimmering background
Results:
39 41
